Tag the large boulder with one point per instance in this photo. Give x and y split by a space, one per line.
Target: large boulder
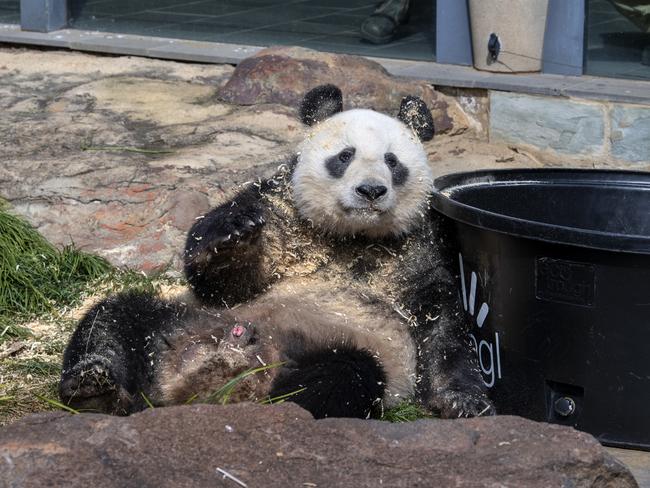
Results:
253 445
284 74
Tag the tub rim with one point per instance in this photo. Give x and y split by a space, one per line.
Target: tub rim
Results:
442 201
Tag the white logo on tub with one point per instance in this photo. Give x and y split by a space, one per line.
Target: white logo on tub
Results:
488 352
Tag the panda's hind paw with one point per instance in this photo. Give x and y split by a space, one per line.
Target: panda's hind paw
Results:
90 385
459 404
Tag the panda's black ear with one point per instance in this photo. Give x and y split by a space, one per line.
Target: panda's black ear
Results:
415 113
320 103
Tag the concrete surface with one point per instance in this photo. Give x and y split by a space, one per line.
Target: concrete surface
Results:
588 87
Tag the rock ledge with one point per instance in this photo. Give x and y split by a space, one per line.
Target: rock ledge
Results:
283 446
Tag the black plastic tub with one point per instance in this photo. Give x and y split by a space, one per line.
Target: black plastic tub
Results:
554 274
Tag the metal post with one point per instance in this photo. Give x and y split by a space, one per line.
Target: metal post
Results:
564 37
453 38
43 15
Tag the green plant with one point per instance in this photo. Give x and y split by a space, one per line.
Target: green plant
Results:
407 411
222 395
35 277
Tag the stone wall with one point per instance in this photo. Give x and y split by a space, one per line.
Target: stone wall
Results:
570 130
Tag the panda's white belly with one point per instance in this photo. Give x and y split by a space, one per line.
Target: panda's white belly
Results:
333 308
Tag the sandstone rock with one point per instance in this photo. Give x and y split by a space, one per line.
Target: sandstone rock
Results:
283 446
61 165
185 207
284 74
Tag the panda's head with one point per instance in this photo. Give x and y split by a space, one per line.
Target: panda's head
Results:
360 172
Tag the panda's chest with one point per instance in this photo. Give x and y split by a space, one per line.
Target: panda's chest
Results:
369 264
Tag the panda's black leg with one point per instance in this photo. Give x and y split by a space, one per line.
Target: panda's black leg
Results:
109 362
223 255
451 380
330 380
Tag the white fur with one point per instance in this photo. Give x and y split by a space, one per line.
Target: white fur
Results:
332 204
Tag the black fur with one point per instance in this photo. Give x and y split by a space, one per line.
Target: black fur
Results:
447 361
336 381
320 103
225 242
110 360
337 164
415 113
400 173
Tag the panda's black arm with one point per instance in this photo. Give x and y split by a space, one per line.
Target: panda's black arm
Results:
451 382
223 252
447 364
109 362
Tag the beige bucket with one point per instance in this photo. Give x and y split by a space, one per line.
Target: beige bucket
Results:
520 26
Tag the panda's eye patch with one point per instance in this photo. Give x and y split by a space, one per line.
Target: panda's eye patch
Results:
399 171
391 160
337 164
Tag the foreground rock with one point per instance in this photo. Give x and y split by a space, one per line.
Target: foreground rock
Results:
283 446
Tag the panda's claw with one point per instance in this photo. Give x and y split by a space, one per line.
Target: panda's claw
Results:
220 241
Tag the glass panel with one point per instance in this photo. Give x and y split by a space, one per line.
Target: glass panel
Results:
328 25
618 38
9 11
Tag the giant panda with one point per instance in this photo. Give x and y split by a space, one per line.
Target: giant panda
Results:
335 269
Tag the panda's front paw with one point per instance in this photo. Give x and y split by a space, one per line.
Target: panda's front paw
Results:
456 404
228 231
91 385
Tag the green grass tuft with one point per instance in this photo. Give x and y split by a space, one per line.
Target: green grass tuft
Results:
119 280
222 395
35 367
10 330
39 287
280 398
407 411
35 277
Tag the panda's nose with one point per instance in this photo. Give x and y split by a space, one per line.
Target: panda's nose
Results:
371 192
